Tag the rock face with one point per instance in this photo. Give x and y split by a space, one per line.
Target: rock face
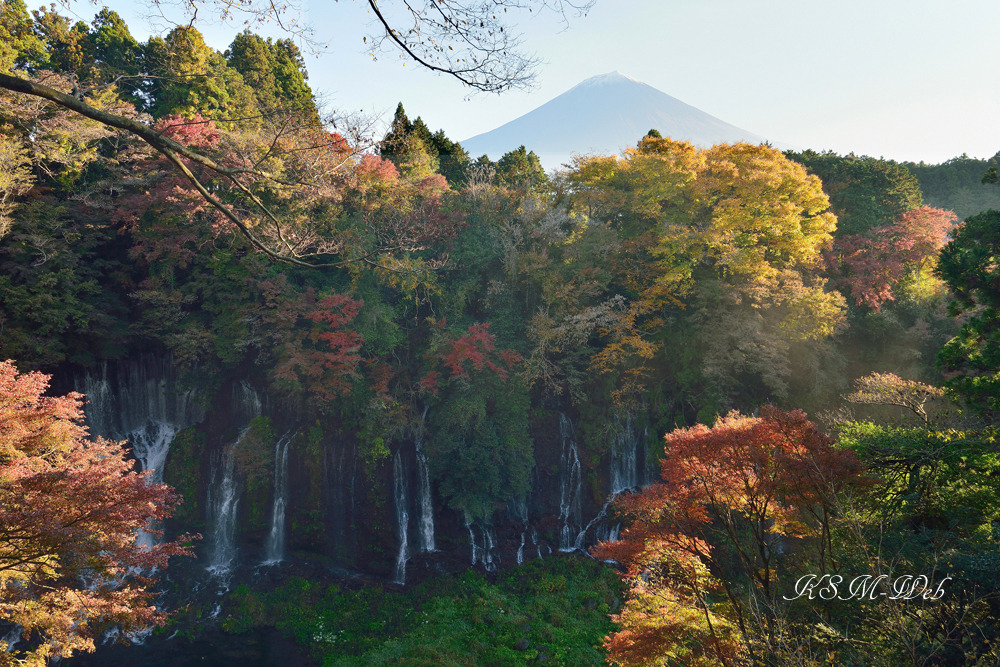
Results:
266 485
604 114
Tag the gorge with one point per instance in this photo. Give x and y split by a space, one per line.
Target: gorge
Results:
312 481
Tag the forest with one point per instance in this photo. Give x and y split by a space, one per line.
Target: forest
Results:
280 393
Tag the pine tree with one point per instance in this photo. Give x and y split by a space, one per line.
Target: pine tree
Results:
274 71
193 78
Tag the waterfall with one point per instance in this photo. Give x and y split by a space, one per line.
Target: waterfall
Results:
472 538
484 545
137 401
624 457
426 505
426 525
150 446
137 637
603 531
517 510
141 404
223 490
571 479
274 551
625 476
247 403
402 516
609 533
492 557
100 403
223 502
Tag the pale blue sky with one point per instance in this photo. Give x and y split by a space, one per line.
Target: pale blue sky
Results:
907 80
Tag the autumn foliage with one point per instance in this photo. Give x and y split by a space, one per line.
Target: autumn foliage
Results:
69 512
746 482
869 265
322 355
890 389
732 236
473 350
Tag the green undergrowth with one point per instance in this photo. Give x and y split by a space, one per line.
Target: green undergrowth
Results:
553 612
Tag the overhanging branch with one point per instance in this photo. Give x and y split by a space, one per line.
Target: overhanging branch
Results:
174 152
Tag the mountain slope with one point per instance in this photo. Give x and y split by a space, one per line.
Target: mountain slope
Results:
604 114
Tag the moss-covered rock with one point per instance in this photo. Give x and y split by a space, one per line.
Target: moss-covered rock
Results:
183 471
255 464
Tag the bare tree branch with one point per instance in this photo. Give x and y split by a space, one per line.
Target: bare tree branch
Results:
176 153
470 40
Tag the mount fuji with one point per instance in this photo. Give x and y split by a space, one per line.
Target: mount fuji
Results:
604 114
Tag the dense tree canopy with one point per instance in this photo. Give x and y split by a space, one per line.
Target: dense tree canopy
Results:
179 75
730 234
968 264
869 266
865 192
958 184
274 71
521 168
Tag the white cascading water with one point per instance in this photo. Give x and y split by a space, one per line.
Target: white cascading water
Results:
624 457
100 407
402 517
151 447
625 446
138 637
426 505
247 403
426 525
517 510
223 503
142 405
603 532
274 550
223 490
141 400
539 545
570 482
472 539
483 545
492 557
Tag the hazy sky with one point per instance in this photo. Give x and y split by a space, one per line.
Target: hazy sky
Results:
907 80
